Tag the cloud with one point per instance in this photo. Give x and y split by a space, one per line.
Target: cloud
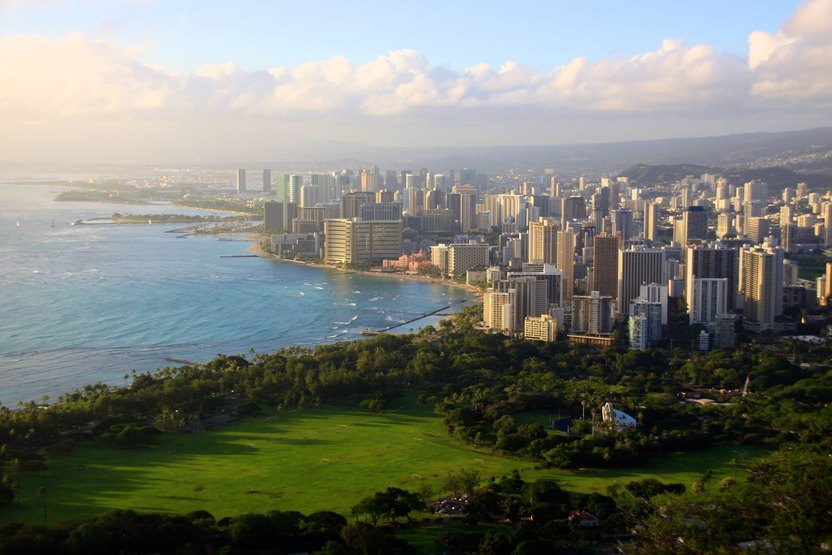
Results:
401 94
792 65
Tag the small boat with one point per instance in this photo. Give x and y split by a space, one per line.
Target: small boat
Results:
149 222
18 223
52 225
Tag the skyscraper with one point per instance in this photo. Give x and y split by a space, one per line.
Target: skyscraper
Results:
622 223
241 181
267 181
636 266
651 220
565 262
761 286
695 224
605 266
713 262
543 241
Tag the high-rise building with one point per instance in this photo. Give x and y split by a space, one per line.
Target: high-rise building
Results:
636 266
713 262
655 293
287 187
761 286
354 241
464 256
241 181
381 211
708 298
278 216
540 328
724 226
651 327
351 203
267 181
565 262
639 331
592 314
755 190
651 220
543 241
498 309
572 208
757 229
467 177
826 212
605 265
621 220
695 224
547 273
530 297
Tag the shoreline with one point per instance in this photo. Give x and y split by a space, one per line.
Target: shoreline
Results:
475 291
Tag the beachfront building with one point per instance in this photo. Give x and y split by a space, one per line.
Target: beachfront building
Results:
354 241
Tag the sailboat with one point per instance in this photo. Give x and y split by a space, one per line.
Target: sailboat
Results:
18 223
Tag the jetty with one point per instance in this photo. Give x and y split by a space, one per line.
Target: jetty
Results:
368 331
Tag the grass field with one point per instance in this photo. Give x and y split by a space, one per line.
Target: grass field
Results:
316 459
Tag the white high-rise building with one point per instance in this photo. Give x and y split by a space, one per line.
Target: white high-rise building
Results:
543 241
708 299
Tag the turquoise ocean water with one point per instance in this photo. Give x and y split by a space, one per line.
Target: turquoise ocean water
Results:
87 303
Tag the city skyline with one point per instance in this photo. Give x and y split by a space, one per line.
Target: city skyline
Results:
163 82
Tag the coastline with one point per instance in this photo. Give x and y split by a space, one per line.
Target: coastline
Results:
256 249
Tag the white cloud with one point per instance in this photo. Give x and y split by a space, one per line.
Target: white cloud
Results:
77 77
792 66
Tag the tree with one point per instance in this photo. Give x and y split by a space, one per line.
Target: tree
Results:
466 481
42 495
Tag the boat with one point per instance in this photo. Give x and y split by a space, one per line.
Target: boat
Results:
18 223
52 225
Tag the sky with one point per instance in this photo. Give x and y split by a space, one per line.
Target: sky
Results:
181 81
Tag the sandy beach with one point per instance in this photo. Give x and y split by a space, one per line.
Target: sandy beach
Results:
475 291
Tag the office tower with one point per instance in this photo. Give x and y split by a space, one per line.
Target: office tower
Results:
241 181
351 203
636 266
354 241
757 229
695 223
621 220
761 286
308 196
592 314
713 262
287 187
540 328
572 208
385 195
278 216
458 258
651 221
565 262
605 265
708 298
826 212
267 181
467 177
543 241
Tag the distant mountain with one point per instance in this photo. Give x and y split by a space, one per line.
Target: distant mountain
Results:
777 178
801 151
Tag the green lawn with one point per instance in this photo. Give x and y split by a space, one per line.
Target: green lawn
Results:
323 458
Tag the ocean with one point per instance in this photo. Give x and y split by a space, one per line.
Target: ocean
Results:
81 304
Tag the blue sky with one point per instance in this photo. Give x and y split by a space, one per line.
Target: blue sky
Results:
187 34
145 81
